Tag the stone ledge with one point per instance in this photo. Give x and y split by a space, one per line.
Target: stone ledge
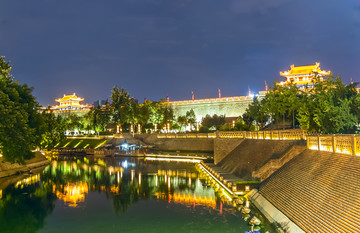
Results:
272 213
23 168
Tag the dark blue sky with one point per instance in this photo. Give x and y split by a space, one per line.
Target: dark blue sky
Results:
158 47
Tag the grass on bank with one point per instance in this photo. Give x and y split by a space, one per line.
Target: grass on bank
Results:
81 143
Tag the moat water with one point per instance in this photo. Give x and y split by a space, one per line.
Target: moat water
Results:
112 195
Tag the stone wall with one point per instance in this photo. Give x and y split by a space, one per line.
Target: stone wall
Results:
178 144
223 146
224 106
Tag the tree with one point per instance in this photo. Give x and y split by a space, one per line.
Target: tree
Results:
53 131
330 107
120 101
20 121
182 121
257 113
214 121
190 116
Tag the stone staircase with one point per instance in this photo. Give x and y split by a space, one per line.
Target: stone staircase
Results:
274 164
319 191
222 174
251 154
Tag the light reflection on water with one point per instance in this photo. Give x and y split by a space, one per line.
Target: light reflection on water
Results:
37 203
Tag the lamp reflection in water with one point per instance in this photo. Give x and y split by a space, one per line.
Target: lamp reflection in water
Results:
28 180
189 199
72 194
132 175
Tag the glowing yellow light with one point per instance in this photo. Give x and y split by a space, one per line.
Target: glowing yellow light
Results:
169 182
175 160
72 193
102 143
156 180
78 143
118 177
217 180
139 178
132 175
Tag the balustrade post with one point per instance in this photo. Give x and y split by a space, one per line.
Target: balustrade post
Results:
308 143
278 134
353 144
334 143
318 137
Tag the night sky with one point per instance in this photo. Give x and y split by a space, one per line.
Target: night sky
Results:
158 47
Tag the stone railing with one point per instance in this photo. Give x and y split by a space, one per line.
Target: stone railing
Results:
339 143
296 134
91 137
187 135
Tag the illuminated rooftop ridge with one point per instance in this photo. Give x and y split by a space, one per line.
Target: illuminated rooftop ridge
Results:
304 70
69 102
72 97
302 75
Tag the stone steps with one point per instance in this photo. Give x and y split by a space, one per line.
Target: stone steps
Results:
319 191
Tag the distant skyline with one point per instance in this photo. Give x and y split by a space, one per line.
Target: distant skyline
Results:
157 47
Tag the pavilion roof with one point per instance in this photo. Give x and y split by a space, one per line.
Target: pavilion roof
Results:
69 98
302 70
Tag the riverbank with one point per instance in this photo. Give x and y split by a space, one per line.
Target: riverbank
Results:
9 169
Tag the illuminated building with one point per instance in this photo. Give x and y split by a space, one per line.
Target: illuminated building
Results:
69 102
231 107
303 76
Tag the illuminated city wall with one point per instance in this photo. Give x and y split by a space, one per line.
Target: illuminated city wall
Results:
228 106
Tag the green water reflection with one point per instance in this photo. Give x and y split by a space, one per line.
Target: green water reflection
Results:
108 196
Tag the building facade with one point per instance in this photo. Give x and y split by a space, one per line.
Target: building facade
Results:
70 104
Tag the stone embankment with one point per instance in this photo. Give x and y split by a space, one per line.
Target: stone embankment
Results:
8 169
319 191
